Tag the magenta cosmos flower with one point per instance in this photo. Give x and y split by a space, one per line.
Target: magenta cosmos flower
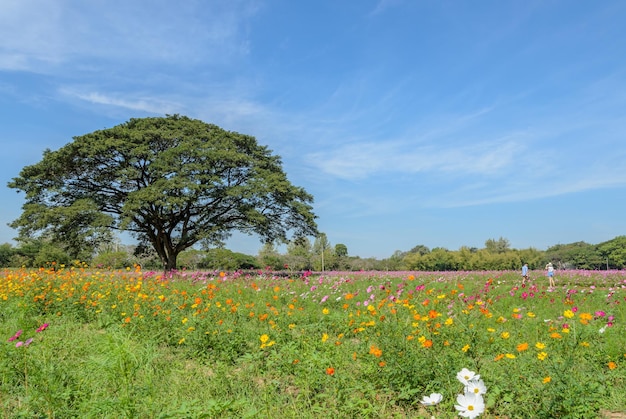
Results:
15 336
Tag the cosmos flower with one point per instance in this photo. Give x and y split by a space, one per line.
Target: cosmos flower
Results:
476 387
465 376
470 405
433 399
15 336
42 328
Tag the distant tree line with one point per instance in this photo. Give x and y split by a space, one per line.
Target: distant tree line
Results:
318 255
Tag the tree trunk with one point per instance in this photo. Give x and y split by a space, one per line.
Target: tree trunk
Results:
170 263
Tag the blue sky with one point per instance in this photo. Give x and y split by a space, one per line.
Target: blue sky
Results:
442 123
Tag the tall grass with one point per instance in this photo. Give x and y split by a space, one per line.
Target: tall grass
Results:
132 344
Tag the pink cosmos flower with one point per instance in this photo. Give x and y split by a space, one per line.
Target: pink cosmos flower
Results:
42 328
15 336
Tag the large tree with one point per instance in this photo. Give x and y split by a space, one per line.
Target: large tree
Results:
171 181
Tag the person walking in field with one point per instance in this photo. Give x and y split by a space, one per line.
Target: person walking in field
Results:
550 270
524 273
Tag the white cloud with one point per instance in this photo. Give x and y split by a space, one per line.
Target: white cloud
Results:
145 104
43 36
362 160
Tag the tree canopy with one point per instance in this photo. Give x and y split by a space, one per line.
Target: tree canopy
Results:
170 181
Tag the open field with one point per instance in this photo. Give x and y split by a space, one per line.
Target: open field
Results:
200 345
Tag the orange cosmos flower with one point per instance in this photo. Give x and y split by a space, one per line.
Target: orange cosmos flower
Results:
522 347
330 371
612 365
376 351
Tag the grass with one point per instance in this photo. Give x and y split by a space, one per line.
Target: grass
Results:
132 344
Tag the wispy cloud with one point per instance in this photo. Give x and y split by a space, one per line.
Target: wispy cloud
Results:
383 5
43 37
149 104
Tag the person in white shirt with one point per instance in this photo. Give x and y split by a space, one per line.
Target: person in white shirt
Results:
550 270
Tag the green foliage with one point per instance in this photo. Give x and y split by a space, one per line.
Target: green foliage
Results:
270 258
498 256
299 254
50 255
497 246
6 253
171 181
613 252
224 259
112 260
579 255
341 250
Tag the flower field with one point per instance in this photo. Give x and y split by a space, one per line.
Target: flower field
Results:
80 343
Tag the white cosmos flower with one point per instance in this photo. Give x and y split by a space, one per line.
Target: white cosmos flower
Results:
465 376
470 405
432 400
476 387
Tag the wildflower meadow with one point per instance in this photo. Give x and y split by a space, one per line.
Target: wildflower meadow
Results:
82 343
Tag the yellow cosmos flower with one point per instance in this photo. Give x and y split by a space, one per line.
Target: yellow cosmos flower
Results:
465 348
505 335
325 311
568 313
546 380
540 345
510 356
542 356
